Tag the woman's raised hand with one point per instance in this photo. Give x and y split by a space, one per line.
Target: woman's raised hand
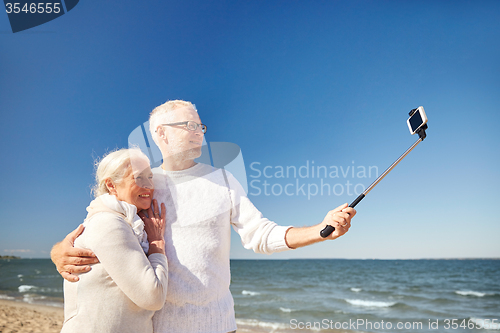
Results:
154 224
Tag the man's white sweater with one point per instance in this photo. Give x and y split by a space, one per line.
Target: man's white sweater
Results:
202 203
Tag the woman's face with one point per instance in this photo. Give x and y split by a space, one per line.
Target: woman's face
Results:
136 187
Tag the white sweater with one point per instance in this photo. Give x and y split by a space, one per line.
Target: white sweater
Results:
122 291
202 203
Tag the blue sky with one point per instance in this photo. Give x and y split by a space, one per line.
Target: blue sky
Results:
290 82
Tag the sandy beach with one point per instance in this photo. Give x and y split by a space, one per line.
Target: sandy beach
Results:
20 317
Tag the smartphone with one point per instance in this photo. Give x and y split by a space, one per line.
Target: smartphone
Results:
417 120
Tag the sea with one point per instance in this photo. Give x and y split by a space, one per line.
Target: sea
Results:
327 295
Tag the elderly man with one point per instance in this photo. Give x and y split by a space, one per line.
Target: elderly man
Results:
202 203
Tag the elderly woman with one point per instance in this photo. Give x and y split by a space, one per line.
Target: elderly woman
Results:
122 291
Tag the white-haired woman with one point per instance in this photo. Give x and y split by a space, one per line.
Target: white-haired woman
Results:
122 291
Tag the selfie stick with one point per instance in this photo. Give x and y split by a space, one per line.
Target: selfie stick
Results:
421 133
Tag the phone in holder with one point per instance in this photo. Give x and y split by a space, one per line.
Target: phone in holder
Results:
417 120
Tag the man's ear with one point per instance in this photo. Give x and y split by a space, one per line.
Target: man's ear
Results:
111 187
162 134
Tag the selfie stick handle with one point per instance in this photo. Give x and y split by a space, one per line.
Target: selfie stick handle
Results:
329 229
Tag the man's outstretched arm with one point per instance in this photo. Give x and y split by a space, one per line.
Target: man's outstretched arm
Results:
69 260
340 218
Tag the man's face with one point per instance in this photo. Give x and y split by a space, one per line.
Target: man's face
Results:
181 141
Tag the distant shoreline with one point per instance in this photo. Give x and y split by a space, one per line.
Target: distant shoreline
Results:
10 257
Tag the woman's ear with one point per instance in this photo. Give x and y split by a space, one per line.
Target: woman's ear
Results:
111 187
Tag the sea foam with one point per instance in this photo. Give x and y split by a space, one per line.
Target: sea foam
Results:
371 304
256 323
25 288
250 293
6 297
286 310
470 293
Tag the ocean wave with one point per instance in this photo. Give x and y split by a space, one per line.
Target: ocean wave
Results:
370 304
356 290
32 298
6 297
250 293
25 288
286 310
43 300
263 324
471 293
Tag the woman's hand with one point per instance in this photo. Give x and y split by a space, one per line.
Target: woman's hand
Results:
154 224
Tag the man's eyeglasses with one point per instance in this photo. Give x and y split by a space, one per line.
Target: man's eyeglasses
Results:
190 125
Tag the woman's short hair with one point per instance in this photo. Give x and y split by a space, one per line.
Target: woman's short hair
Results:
157 116
115 166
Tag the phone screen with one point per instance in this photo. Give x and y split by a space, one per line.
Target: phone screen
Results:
415 121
